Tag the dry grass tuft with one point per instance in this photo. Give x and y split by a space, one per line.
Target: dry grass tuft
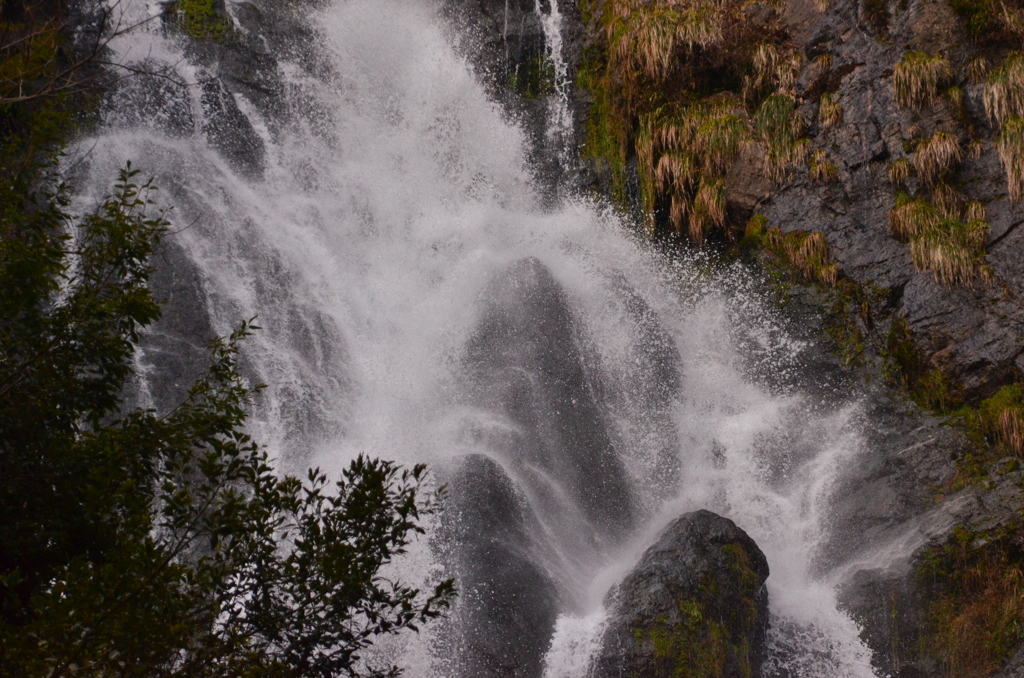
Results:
936 155
646 37
955 97
975 210
778 126
830 113
899 172
910 219
952 250
1004 91
917 78
948 201
975 148
820 170
807 252
1011 152
1010 430
977 69
775 70
683 155
820 66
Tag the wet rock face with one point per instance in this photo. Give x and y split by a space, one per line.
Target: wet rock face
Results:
975 334
503 619
505 42
695 604
526 362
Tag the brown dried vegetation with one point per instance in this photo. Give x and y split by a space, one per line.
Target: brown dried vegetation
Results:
685 84
918 77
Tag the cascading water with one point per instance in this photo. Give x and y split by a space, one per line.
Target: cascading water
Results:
575 389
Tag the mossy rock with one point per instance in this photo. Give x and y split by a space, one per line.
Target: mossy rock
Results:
695 605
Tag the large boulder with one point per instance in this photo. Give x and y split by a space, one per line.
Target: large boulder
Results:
695 605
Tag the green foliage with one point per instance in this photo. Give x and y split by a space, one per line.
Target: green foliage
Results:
778 127
807 252
200 19
975 616
676 82
134 544
978 17
694 643
533 78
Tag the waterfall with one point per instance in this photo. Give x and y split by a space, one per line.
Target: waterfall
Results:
575 388
560 117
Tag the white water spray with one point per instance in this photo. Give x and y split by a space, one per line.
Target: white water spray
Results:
393 195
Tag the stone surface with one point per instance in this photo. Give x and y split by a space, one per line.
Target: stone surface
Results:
527 366
503 619
976 334
695 604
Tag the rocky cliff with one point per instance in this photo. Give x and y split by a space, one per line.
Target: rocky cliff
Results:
861 151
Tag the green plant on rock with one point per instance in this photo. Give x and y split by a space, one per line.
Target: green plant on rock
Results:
1004 89
645 37
778 127
830 113
1004 104
953 250
683 154
820 169
976 614
807 252
200 19
1002 417
676 82
534 78
1011 153
917 79
908 219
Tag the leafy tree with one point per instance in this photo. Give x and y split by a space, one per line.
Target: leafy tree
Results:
135 544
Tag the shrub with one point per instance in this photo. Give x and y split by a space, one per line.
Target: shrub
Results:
917 78
977 614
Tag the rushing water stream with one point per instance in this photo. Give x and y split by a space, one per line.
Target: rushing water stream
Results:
575 389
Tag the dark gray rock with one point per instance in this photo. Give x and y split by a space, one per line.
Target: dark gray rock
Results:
527 364
976 334
152 100
505 42
695 604
229 131
502 622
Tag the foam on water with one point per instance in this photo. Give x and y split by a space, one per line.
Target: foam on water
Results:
387 204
